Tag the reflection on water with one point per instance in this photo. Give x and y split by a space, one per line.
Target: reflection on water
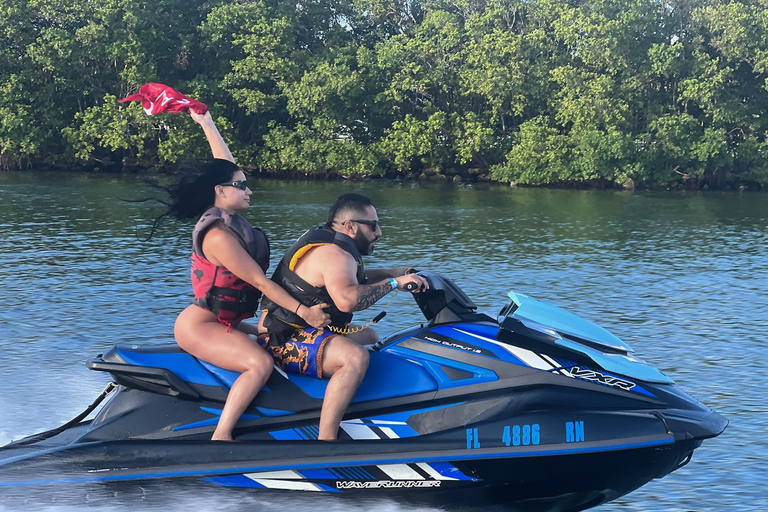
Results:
152 496
683 279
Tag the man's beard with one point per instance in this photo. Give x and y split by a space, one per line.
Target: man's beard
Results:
363 244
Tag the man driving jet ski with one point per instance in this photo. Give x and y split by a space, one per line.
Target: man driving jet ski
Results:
325 265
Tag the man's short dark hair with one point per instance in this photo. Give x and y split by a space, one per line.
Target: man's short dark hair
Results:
355 203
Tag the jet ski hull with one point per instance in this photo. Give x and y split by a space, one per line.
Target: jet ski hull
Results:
466 410
520 478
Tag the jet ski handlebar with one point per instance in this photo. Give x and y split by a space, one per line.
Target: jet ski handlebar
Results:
409 287
444 301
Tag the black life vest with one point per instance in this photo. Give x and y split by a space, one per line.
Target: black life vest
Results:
281 322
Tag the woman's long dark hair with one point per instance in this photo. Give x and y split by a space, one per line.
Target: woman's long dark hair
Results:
194 192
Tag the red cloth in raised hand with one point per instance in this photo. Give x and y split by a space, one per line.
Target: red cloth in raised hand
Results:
157 98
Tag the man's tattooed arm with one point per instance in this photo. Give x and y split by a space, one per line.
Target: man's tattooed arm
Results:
370 294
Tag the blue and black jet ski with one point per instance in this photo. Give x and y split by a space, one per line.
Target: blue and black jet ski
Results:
535 410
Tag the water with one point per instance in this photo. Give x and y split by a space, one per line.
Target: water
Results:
682 278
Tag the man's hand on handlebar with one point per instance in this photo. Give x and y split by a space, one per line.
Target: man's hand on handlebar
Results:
413 283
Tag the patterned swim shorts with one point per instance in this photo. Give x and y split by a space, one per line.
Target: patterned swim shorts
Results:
302 353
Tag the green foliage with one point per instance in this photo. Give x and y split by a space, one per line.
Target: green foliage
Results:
19 134
539 156
552 91
251 46
303 151
109 126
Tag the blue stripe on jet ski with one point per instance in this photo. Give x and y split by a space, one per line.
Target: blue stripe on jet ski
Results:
311 431
214 420
362 474
287 435
318 474
233 481
291 434
246 482
470 455
308 433
481 336
433 363
272 412
354 473
449 470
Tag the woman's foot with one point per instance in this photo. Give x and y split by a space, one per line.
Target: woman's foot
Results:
221 437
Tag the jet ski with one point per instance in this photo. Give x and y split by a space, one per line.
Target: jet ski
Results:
537 409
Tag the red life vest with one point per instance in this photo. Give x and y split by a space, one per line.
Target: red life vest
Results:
216 288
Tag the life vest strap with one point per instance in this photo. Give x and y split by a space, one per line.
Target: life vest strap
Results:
237 301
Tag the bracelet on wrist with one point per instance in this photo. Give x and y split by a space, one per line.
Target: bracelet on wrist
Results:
297 309
393 282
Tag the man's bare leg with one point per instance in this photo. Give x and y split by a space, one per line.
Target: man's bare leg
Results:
346 362
363 337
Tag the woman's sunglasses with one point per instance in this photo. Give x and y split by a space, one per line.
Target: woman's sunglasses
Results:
237 184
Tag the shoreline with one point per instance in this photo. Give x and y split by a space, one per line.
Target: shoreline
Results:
450 178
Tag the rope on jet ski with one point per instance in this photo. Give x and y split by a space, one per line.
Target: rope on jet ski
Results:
346 330
77 419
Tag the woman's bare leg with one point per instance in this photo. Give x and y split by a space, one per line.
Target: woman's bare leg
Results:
198 332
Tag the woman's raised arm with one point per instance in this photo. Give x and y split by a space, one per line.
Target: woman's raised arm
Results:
218 146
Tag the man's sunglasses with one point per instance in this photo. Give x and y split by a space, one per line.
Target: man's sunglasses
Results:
237 184
373 224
